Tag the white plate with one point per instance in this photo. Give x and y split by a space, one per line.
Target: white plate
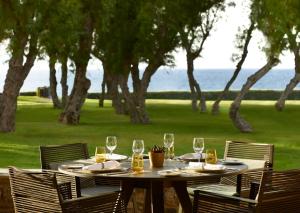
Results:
73 166
114 157
169 173
191 157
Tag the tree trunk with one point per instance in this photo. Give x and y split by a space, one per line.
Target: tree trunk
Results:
136 82
53 83
288 89
136 112
196 93
216 105
102 96
292 84
237 120
16 74
71 114
63 81
117 102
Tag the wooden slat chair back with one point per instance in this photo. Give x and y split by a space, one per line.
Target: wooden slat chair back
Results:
261 154
34 192
59 153
253 151
37 192
279 191
52 155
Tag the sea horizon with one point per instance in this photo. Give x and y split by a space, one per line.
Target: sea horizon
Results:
170 79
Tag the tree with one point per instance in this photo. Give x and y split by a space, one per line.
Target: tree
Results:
81 55
24 23
276 44
245 38
290 24
58 41
195 25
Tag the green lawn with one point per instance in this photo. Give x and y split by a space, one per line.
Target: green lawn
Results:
37 124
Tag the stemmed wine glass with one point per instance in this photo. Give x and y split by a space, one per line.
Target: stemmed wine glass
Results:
111 144
168 142
138 146
198 146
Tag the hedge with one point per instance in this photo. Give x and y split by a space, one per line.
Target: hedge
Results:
212 95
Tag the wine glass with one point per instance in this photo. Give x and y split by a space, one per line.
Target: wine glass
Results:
168 142
198 146
111 144
138 146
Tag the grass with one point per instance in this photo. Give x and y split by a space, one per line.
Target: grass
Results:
37 124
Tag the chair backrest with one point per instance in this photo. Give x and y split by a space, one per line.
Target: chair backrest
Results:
251 151
49 155
34 191
279 191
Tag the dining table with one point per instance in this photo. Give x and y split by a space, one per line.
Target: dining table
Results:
174 173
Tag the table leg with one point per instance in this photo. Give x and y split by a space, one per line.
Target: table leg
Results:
127 189
157 192
147 203
183 196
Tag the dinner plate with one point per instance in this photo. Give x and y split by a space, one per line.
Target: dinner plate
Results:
169 173
102 170
73 166
191 157
116 157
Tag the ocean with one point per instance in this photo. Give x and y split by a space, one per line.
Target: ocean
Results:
171 79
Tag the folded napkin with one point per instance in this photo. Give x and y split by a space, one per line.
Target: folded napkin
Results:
196 165
101 166
214 167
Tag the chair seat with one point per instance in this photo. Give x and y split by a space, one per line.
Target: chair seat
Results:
219 188
98 190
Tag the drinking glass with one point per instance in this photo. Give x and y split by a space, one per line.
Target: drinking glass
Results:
198 146
137 162
111 143
211 156
168 142
100 154
138 146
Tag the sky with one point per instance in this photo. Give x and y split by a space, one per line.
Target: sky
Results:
217 50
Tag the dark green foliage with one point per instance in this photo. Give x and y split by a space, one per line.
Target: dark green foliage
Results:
157 149
212 95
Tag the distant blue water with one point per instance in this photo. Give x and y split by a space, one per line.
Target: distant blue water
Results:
173 79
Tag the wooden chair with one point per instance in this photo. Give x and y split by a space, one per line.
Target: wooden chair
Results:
39 192
52 156
256 153
277 192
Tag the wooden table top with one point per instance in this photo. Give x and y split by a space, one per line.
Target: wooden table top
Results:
150 173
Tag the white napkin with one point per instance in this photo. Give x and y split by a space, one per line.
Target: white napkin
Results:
104 165
214 167
196 165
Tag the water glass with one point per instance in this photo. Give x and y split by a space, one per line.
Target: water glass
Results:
198 146
211 156
168 142
111 143
137 162
100 154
